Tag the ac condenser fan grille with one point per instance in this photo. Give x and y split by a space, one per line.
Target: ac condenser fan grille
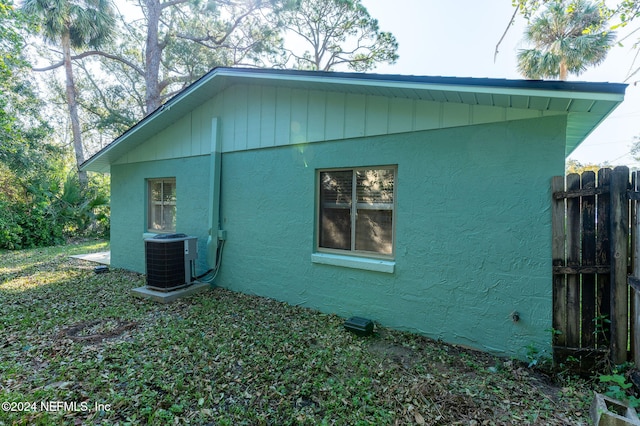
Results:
165 265
169 261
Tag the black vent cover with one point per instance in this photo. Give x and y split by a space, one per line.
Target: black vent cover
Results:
165 264
359 326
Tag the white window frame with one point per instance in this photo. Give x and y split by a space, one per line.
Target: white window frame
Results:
326 254
162 203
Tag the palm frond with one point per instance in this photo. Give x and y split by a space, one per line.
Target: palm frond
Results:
573 33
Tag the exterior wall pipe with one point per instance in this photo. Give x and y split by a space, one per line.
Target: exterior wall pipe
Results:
214 193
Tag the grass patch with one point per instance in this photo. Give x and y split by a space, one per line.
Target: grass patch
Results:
70 336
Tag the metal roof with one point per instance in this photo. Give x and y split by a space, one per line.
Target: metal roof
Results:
587 104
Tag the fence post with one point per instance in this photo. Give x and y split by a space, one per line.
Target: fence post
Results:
558 213
573 237
635 256
619 220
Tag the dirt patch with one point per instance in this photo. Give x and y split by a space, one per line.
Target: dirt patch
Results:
97 330
394 353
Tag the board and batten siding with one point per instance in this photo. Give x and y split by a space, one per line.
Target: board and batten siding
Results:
254 117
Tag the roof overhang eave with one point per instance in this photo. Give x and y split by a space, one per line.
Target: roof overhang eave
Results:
220 78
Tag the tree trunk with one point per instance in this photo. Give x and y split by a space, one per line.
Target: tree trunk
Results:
73 108
563 70
153 54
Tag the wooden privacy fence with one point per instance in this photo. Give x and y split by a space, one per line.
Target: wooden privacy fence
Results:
595 247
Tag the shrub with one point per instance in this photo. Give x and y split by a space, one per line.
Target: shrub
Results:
49 211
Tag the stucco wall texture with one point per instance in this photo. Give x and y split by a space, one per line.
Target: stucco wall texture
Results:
472 223
473 235
129 206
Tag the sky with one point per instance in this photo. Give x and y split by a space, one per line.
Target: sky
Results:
458 39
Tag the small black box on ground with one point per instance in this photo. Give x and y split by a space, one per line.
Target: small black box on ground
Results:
359 326
101 269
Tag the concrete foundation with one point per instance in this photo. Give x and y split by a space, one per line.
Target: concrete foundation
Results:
170 296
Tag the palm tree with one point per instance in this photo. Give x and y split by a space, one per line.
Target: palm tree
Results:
567 37
73 24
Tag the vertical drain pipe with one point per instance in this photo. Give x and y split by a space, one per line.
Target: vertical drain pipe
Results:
214 195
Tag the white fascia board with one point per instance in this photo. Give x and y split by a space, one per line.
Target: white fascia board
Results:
496 90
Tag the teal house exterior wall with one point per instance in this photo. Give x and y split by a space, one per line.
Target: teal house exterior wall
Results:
129 206
472 236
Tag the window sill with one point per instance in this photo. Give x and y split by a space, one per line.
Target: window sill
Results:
368 264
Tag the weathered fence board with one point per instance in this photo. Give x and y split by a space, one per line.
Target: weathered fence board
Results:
603 301
588 296
590 249
619 220
573 259
635 275
558 256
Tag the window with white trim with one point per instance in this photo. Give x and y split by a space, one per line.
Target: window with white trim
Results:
356 211
162 205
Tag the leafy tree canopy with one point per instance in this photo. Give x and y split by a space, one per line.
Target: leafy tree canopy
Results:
329 33
73 24
622 14
87 22
574 166
566 37
22 129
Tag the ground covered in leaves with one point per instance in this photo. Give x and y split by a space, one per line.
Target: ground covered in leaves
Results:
77 348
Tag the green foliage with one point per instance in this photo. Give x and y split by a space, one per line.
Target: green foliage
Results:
39 204
52 211
335 33
79 210
9 37
20 119
567 37
73 25
10 230
536 357
601 323
621 13
574 166
628 11
27 163
619 388
87 23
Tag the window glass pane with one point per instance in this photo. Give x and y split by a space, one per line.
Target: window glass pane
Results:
375 186
362 221
374 231
335 209
335 229
336 188
156 191
169 191
162 205
156 215
169 218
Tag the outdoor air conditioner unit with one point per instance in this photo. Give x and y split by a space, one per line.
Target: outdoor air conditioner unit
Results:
170 261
